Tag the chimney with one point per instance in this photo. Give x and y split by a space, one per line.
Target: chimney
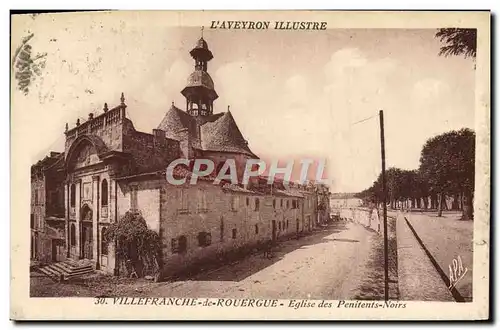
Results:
185 143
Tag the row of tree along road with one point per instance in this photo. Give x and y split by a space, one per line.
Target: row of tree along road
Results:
446 171
446 161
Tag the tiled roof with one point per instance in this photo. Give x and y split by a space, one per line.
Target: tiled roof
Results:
288 193
218 132
175 120
235 188
184 172
224 135
201 48
200 120
201 43
200 78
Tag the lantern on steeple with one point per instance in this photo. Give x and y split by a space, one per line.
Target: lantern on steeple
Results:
200 92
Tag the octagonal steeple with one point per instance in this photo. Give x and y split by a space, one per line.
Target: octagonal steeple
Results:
199 91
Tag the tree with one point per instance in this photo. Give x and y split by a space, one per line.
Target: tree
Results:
447 165
395 188
422 189
409 186
138 248
458 42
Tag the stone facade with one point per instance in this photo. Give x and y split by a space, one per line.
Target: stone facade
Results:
324 211
47 210
109 168
201 222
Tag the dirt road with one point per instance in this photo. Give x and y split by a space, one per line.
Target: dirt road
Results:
338 262
326 265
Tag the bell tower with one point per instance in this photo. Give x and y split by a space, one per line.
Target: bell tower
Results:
200 92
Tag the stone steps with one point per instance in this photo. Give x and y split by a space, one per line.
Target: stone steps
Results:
68 269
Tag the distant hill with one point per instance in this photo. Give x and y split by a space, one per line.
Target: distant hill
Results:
342 195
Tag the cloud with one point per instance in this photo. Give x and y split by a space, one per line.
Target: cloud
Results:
286 104
178 71
430 89
356 87
344 59
296 93
242 85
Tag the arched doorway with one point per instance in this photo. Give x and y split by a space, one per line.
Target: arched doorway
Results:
86 233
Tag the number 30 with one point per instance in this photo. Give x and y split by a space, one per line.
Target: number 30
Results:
100 301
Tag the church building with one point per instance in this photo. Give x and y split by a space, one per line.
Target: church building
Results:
108 168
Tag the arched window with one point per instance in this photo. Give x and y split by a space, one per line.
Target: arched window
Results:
257 204
72 235
73 195
104 243
104 193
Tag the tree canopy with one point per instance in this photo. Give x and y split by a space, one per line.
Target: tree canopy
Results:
447 164
446 168
458 42
447 161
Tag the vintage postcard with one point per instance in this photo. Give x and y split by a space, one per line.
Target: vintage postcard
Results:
250 165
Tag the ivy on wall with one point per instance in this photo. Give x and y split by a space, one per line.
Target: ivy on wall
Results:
138 248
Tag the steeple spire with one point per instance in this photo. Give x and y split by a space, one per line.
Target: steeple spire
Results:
200 92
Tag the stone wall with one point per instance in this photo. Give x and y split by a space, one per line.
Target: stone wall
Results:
37 218
369 218
108 126
232 218
150 152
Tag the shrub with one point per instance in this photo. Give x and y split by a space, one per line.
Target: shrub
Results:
138 248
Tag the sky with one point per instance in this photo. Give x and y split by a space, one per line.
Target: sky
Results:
293 94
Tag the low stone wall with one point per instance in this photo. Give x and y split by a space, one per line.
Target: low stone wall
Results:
370 218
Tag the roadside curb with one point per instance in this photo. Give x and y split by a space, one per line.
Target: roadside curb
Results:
417 276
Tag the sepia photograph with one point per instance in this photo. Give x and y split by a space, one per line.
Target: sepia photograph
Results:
281 161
